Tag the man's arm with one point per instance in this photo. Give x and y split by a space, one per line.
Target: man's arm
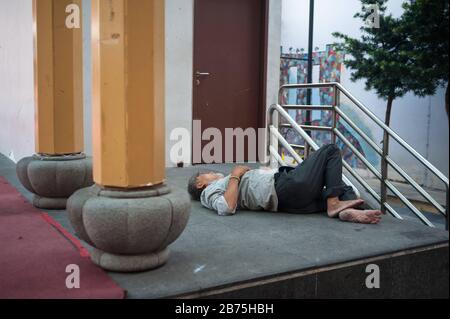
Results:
232 193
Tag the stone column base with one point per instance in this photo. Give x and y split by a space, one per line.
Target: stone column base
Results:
49 203
53 179
129 263
130 230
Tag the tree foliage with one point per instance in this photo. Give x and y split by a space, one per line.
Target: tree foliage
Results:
426 25
404 54
381 55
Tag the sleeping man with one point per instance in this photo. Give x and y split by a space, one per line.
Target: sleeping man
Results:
314 186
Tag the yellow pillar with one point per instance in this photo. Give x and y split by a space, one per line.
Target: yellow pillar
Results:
130 217
128 92
58 62
59 168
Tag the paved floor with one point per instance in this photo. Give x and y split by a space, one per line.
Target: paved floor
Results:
438 194
409 192
216 251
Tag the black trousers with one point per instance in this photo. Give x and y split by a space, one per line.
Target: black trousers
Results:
305 189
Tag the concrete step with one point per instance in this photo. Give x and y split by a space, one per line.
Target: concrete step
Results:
416 273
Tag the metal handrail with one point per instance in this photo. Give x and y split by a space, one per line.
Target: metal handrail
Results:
274 131
394 165
369 113
337 89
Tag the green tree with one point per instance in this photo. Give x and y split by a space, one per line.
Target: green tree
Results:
426 25
381 58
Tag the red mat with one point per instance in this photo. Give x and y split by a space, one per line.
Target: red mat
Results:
35 252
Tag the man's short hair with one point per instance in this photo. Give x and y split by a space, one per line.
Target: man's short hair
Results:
193 190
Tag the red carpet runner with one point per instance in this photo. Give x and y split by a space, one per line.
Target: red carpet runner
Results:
35 252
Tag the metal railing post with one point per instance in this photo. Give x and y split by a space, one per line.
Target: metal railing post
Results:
270 138
384 172
446 209
335 105
307 151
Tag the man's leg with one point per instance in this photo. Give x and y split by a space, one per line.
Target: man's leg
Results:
341 199
302 189
337 195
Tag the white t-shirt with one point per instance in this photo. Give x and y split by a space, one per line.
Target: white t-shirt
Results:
256 192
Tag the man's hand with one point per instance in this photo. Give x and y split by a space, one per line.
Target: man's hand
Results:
240 171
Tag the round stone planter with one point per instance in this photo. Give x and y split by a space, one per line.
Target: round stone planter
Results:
129 230
53 179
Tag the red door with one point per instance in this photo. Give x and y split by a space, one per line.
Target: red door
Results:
229 49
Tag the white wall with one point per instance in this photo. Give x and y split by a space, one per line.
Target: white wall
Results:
179 68
16 79
87 73
274 52
409 115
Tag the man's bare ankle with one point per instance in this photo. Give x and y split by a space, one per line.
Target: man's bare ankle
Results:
332 201
335 207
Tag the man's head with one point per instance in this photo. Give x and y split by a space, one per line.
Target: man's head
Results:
198 182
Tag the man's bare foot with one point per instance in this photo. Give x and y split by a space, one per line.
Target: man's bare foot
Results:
361 216
335 206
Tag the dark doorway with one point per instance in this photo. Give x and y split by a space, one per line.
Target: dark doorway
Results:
230 39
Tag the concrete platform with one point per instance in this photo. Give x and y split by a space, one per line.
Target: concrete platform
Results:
258 254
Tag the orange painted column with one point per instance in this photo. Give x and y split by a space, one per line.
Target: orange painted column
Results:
59 167
130 216
58 69
128 92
